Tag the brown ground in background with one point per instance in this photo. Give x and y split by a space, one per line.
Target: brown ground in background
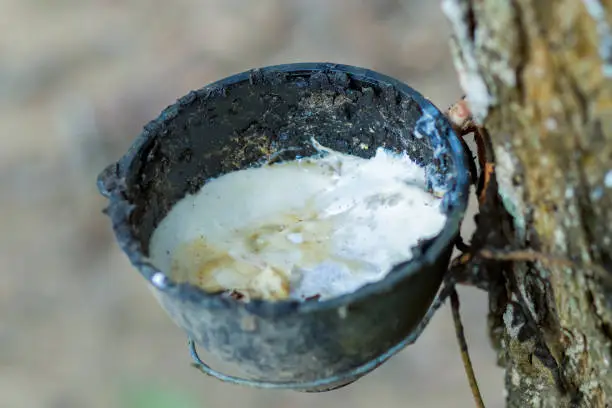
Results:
78 80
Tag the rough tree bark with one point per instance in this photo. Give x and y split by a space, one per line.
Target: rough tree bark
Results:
537 75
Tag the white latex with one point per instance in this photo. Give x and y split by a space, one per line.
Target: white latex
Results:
321 226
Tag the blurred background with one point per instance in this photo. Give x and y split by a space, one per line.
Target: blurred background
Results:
78 80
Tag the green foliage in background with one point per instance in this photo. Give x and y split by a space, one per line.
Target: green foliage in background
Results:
151 395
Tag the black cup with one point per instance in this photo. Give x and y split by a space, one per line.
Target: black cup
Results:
250 117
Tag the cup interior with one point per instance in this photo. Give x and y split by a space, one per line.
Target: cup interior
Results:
272 114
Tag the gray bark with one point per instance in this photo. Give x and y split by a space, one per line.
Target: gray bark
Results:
538 76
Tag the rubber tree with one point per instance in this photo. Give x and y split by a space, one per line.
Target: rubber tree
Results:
537 75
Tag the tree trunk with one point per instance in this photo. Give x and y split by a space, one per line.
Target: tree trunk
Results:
537 75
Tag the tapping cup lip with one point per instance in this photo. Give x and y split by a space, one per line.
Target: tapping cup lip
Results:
111 184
